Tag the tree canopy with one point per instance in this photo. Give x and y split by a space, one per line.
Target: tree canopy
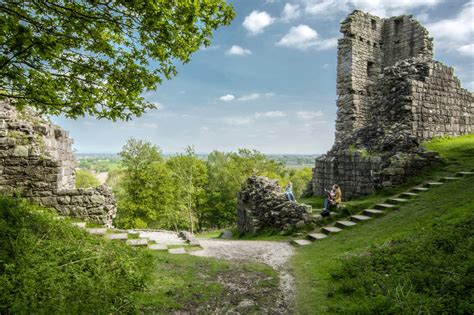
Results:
97 57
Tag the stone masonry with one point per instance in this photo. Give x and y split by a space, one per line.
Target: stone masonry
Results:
37 162
260 204
392 96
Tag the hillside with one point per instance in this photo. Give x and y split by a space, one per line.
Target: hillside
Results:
412 259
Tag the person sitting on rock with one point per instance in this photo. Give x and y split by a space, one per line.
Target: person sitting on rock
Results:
289 192
334 198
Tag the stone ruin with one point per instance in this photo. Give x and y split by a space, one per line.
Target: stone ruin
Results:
392 96
261 204
37 162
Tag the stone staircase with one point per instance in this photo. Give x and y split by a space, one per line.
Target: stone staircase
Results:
134 238
377 210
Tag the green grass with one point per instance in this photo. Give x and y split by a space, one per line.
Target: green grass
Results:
449 203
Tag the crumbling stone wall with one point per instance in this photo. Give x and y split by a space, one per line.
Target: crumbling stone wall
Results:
391 96
37 162
260 204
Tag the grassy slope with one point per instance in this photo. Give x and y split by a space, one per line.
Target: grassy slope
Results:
451 202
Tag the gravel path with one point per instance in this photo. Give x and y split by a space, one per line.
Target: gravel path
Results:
274 254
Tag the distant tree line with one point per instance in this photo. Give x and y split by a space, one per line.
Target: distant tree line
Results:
184 191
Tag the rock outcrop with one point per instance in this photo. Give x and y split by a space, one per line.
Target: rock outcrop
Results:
260 205
37 162
392 96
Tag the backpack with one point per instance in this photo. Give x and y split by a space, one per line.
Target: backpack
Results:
325 213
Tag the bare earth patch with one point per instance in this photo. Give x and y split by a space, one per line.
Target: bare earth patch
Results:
274 254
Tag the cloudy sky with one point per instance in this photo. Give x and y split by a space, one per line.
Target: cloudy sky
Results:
268 80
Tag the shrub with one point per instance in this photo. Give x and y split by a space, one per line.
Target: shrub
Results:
85 179
50 266
431 273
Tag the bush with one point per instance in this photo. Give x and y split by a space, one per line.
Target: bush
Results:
431 273
49 266
85 179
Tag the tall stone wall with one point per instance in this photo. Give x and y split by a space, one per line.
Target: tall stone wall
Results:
37 162
391 96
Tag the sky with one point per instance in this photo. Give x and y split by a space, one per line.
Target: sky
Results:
268 81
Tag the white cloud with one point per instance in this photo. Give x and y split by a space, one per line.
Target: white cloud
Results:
227 98
257 21
238 51
245 120
271 114
238 120
455 34
467 50
382 8
290 12
308 114
149 125
249 97
304 37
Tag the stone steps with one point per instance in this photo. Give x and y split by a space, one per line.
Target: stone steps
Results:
345 224
97 231
116 236
330 229
81 225
178 250
373 212
462 174
378 209
317 236
382 206
138 242
157 247
409 194
420 189
448 178
433 184
301 242
397 200
359 218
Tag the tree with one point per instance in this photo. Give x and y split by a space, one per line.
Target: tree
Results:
96 57
145 192
190 176
85 179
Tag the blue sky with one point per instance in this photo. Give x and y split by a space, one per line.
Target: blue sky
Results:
268 81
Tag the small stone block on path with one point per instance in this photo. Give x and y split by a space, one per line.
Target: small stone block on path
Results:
359 217
449 178
373 212
79 224
301 242
434 183
398 200
345 224
385 205
465 173
157 247
97 231
116 236
194 243
138 242
177 250
420 189
409 194
317 236
331 229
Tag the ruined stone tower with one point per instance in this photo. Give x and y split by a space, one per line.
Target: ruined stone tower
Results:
37 162
392 95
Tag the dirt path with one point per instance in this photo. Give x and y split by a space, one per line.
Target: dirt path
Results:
274 254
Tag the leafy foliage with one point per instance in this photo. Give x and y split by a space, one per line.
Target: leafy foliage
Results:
97 57
50 267
428 273
85 179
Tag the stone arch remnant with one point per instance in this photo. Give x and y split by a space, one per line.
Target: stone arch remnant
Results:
392 96
37 162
